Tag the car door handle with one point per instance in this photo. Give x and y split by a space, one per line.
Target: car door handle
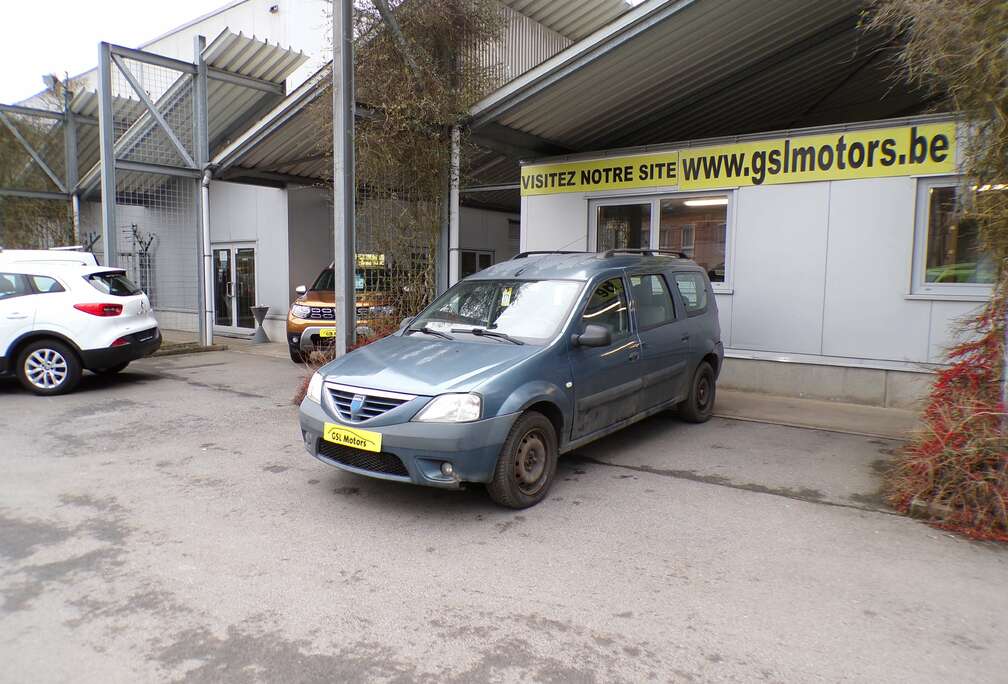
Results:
634 356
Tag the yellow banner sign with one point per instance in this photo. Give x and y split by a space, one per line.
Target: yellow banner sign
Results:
904 151
352 437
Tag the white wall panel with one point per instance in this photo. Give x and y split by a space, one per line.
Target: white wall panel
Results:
945 324
867 273
487 230
779 268
310 217
724 305
554 222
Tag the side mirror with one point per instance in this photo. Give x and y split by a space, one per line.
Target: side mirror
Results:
301 290
405 322
594 336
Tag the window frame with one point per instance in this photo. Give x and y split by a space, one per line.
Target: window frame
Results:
919 287
707 290
26 283
590 292
34 288
655 199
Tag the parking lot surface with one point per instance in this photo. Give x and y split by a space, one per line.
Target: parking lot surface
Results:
167 523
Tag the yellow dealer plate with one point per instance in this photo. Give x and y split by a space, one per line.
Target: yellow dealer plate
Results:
327 332
358 439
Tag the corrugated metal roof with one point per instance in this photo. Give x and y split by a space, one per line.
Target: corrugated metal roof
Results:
680 69
574 19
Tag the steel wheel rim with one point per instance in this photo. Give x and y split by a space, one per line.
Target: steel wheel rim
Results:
530 462
703 393
46 368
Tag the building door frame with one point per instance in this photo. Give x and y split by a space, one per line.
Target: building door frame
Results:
229 289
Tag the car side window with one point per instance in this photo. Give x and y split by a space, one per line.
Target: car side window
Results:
13 285
608 307
693 289
652 301
45 284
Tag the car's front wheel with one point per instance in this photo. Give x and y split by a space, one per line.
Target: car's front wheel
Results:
527 463
699 405
48 367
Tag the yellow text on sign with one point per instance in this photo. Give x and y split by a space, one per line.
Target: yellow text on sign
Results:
357 439
614 173
327 332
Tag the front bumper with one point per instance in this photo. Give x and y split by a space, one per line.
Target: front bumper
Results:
141 344
471 448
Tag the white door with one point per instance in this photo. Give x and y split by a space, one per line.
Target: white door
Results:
234 270
17 310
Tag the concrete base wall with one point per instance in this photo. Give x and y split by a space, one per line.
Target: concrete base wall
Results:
869 386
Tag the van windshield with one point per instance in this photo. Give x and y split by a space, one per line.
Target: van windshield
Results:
529 310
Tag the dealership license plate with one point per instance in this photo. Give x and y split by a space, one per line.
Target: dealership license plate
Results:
357 439
327 332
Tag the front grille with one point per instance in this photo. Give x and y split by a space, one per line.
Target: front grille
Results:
363 311
372 404
322 313
385 463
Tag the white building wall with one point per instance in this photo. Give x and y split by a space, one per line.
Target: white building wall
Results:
310 234
482 229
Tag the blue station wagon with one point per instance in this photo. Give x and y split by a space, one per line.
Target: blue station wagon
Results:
518 364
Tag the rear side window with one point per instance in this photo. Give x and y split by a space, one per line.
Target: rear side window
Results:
653 301
693 289
45 284
13 285
608 307
112 283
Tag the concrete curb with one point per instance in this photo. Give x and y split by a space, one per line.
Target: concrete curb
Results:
188 348
812 426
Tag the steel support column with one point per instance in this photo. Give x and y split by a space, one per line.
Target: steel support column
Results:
70 154
454 267
344 186
201 152
106 135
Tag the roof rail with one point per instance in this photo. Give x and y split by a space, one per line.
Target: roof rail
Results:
522 255
649 252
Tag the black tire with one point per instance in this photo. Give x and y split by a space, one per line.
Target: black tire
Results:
527 463
48 367
295 355
699 404
112 370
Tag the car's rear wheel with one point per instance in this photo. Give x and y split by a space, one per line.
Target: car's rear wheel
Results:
48 367
112 370
699 405
527 463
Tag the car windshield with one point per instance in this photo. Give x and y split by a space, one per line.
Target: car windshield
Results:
373 279
529 310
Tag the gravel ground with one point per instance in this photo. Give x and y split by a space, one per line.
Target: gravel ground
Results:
167 524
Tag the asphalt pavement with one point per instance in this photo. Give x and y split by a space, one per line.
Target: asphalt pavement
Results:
167 524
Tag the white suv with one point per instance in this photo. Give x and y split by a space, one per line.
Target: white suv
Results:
58 319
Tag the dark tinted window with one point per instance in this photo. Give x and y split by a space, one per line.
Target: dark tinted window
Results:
608 307
693 289
113 283
653 301
13 285
44 284
365 279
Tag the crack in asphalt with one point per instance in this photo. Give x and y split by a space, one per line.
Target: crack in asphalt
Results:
804 495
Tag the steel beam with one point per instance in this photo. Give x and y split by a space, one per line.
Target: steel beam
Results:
491 188
454 228
34 194
151 58
201 136
162 169
30 111
246 81
106 133
152 108
344 185
32 152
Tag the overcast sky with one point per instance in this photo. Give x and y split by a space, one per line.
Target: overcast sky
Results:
56 36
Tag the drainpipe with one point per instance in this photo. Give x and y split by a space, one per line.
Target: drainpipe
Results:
207 259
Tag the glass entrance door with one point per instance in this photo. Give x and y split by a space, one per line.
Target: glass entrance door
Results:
234 287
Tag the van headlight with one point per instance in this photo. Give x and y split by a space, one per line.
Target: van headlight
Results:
315 388
300 311
452 408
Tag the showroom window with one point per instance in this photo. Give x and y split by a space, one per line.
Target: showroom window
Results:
948 257
697 225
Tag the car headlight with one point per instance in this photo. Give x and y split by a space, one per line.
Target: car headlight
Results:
300 311
381 310
315 388
452 408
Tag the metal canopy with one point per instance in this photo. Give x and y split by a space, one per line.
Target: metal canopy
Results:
687 69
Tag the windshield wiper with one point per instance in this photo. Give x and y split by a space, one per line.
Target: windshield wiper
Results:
483 332
431 331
